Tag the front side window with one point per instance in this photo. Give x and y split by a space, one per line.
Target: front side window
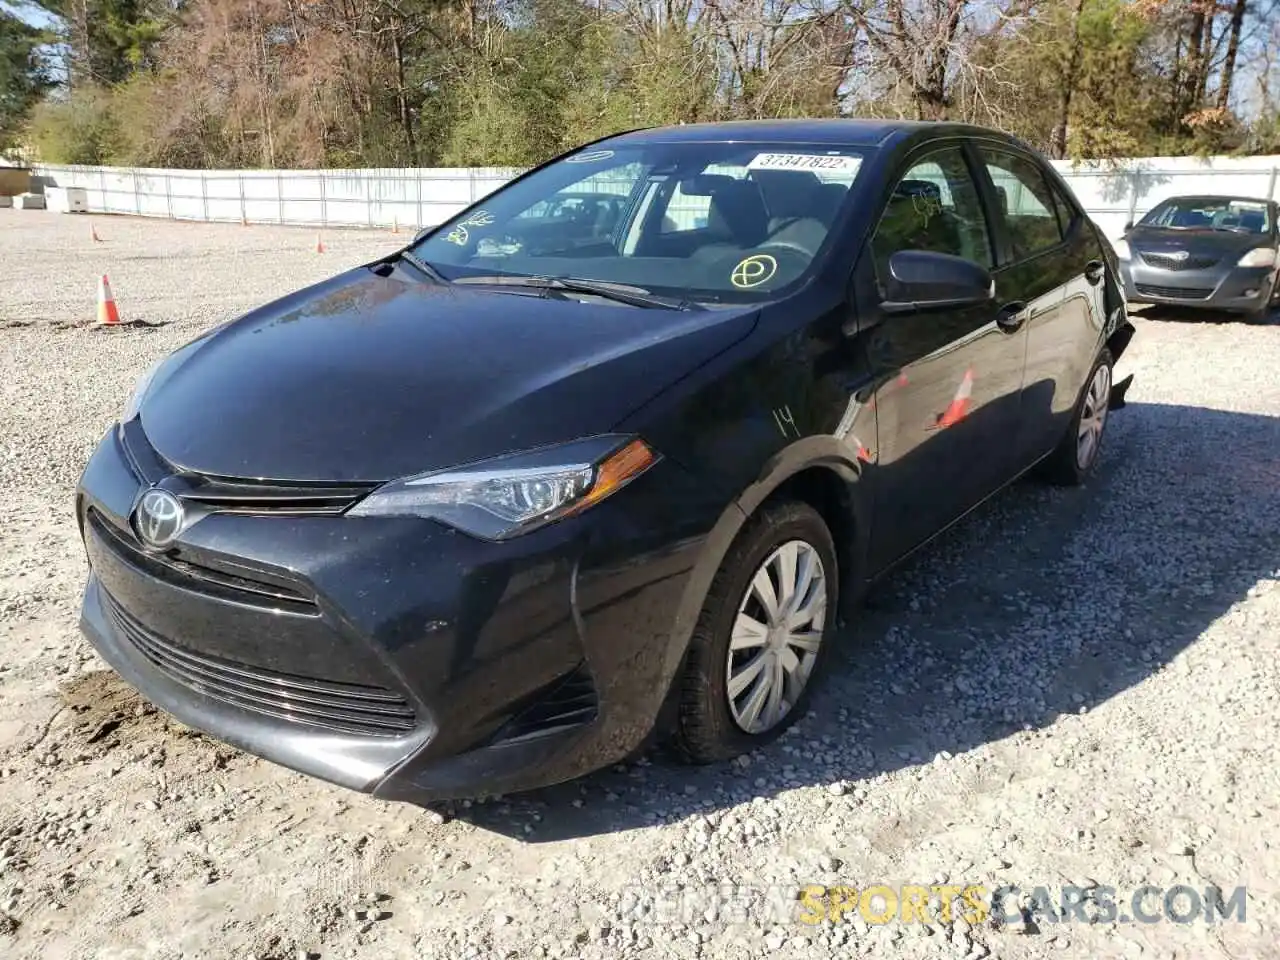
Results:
711 221
935 207
1026 202
1211 213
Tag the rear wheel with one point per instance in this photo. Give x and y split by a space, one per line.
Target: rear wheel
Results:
1077 453
762 636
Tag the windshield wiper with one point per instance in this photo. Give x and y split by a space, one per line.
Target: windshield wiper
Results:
632 296
422 266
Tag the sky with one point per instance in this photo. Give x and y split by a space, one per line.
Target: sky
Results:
29 12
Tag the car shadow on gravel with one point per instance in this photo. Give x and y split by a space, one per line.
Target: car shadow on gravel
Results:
1043 603
1161 313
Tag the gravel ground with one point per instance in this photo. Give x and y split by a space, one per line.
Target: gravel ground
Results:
1071 688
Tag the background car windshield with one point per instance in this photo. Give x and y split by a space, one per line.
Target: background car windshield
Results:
1245 216
710 221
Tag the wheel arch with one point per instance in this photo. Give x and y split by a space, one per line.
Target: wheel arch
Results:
819 471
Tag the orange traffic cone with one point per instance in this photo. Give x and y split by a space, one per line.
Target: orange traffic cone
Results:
93 234
959 407
395 224
107 313
319 244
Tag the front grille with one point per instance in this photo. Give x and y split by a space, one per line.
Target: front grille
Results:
239 496
230 582
342 707
569 702
1175 293
1166 262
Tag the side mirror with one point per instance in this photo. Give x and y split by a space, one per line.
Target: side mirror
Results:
1128 225
420 234
925 280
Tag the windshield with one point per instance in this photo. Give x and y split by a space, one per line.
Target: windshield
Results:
704 221
1209 213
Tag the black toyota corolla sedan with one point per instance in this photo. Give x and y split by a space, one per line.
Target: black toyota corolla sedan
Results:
561 479
1215 253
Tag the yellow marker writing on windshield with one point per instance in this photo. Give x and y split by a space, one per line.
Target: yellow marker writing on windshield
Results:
753 271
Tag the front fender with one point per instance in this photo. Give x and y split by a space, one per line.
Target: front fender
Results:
811 468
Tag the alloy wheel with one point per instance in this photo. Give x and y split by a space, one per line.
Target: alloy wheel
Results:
776 635
1093 417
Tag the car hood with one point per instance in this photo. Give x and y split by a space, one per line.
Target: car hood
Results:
1198 243
370 378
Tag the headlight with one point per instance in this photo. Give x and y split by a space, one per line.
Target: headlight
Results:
1258 257
134 403
510 495
1122 249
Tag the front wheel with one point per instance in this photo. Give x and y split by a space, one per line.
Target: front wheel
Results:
762 636
1076 455
1263 313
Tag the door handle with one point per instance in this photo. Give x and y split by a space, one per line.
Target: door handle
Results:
1094 270
1012 316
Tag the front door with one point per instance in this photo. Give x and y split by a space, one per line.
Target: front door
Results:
947 408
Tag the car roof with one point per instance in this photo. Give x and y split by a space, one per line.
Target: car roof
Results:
1214 198
869 133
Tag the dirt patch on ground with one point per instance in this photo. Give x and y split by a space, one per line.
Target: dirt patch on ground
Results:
103 708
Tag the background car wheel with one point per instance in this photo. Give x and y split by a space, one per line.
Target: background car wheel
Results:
1264 314
762 637
1076 455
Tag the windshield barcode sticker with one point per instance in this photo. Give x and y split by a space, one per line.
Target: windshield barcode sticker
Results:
803 161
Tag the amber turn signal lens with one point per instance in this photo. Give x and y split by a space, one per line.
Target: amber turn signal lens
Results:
615 472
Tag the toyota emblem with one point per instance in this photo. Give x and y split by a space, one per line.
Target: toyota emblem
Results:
1179 255
159 517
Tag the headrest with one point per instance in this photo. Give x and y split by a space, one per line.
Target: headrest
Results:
787 193
918 188
738 205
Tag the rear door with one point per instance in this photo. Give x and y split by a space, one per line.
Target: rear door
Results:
951 379
1047 251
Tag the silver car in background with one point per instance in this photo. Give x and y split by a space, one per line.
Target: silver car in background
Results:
1212 252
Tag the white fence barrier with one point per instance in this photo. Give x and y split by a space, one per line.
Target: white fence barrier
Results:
328 198
1113 192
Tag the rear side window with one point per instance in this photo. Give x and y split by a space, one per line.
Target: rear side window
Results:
686 212
1027 202
1066 209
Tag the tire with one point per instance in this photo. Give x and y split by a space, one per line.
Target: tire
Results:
709 725
1070 464
1263 314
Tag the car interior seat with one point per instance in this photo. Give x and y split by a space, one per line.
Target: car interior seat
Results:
800 211
737 212
1253 220
1191 218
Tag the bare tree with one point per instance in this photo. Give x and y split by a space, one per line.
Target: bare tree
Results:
1233 50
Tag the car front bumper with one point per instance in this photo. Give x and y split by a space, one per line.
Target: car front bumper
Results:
1226 288
395 656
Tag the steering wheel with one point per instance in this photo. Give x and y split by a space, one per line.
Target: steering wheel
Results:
786 251
792 248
